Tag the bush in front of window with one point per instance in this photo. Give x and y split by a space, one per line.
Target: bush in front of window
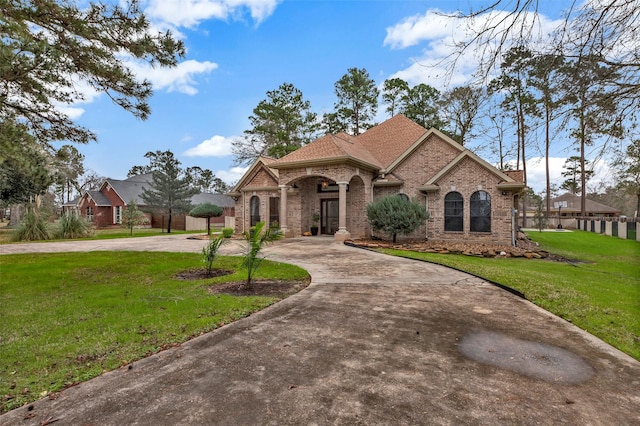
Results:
396 214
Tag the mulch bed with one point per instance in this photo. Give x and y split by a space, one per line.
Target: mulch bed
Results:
271 288
525 248
201 274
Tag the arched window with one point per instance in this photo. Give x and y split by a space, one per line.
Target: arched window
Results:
480 219
254 210
404 196
453 212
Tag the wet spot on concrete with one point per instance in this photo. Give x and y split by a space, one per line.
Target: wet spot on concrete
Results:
532 359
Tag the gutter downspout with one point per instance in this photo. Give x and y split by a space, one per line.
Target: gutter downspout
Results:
513 231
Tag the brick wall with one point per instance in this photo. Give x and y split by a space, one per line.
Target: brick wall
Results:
467 178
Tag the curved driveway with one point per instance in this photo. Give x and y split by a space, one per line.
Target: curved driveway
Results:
373 340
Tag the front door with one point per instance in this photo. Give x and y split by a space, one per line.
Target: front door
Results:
329 216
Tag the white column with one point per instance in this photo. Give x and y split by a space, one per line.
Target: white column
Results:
342 233
283 209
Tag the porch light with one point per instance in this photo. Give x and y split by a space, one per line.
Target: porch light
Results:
325 184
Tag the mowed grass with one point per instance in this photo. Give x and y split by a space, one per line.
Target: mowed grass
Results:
6 234
69 317
599 293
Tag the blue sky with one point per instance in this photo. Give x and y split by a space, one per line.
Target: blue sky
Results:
237 50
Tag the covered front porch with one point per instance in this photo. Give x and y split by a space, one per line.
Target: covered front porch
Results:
333 206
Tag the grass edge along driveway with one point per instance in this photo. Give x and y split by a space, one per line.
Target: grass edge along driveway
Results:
69 317
599 293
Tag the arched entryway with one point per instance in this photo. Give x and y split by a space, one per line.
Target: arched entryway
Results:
338 204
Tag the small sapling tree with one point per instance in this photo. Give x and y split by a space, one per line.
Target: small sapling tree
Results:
396 214
539 217
132 216
210 252
206 210
258 236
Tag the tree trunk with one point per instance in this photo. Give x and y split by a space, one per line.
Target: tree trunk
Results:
169 223
546 159
583 180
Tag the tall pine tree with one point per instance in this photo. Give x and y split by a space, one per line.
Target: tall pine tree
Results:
169 191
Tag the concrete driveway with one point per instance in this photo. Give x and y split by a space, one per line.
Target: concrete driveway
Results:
373 340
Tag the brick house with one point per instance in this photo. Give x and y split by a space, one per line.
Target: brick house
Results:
336 176
105 206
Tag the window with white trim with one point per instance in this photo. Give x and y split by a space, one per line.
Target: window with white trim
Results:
117 214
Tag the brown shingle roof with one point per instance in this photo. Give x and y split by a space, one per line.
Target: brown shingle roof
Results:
330 147
517 175
377 147
390 139
574 205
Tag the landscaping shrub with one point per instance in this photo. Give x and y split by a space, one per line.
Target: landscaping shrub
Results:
396 214
73 226
227 232
32 228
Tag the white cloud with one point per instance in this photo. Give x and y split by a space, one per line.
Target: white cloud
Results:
536 175
217 146
232 175
439 36
179 78
83 92
189 13
70 111
414 29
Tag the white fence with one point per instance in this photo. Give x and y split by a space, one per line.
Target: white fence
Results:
625 228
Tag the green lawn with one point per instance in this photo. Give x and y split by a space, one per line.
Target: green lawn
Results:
6 234
68 317
600 293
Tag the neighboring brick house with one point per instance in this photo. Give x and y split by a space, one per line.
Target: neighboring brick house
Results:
105 206
338 175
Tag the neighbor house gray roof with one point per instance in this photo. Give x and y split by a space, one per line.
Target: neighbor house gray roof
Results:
99 198
72 203
220 200
130 189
